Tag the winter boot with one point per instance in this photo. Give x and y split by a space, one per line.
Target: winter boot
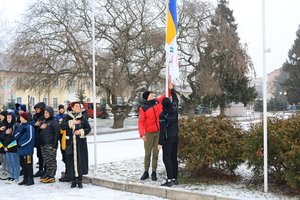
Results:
175 181
168 183
80 184
65 179
154 176
44 177
49 180
145 176
30 181
25 180
74 183
4 175
39 173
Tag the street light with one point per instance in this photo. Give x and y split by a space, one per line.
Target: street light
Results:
283 94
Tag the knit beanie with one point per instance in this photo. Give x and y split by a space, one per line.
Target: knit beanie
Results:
167 104
146 95
25 115
23 107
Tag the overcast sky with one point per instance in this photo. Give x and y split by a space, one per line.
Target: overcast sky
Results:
282 20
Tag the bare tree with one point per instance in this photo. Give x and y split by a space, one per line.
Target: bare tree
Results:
54 42
132 54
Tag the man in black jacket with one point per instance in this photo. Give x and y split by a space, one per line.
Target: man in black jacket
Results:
38 119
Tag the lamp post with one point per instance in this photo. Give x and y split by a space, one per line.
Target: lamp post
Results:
283 95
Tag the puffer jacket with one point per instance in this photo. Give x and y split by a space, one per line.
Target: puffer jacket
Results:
149 116
50 134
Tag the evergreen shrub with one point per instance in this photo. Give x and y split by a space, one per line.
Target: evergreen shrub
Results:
210 143
283 150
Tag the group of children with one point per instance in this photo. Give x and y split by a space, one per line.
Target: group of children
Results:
20 133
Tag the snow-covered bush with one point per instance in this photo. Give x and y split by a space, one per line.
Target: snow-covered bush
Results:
283 149
210 142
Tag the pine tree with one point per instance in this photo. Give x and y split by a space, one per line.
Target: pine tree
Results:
292 68
230 62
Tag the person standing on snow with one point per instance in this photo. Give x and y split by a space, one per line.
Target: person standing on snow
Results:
62 137
3 124
148 125
168 138
49 143
77 127
25 139
38 119
11 148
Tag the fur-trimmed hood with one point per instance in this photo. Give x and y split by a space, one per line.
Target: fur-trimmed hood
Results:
75 115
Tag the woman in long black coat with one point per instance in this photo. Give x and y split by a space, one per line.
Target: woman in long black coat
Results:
77 127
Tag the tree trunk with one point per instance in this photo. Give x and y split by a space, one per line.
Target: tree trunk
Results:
118 121
190 110
222 110
120 114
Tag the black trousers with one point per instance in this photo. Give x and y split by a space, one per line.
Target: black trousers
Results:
40 158
170 149
26 164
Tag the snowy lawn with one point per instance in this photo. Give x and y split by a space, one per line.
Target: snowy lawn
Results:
120 157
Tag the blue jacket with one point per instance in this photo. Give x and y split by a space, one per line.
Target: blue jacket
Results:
25 138
60 116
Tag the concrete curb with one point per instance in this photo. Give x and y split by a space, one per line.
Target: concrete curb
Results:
168 193
116 131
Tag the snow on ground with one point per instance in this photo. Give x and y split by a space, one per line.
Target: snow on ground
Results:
107 152
120 157
130 170
62 191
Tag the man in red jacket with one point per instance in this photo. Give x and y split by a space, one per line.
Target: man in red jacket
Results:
148 125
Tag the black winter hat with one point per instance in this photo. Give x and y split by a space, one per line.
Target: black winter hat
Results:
167 103
23 107
61 107
4 113
146 95
40 105
50 110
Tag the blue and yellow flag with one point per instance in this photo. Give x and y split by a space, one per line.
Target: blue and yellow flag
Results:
171 29
12 144
171 43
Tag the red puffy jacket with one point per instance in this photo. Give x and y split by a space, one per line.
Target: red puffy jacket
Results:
149 116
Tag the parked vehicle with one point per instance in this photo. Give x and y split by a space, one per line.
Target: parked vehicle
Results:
101 111
202 110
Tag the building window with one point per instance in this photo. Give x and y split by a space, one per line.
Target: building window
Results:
19 100
32 101
45 100
55 104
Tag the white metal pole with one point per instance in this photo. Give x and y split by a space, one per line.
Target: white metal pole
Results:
167 56
94 88
265 99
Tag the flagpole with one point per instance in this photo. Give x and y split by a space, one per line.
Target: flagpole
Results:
94 88
265 129
167 62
